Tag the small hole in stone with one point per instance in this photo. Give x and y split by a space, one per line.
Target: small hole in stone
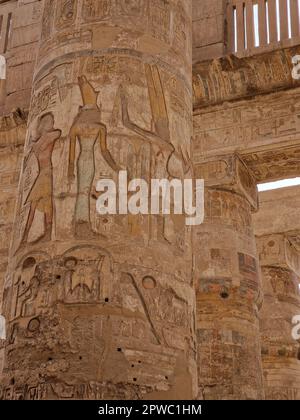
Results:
12 381
119 349
140 361
224 293
58 277
29 263
50 359
106 300
80 357
166 377
134 379
132 366
70 262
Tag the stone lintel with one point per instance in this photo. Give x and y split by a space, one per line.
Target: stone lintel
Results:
265 131
274 163
232 78
278 212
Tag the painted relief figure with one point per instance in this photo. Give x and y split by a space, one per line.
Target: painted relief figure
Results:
87 129
167 161
40 197
159 137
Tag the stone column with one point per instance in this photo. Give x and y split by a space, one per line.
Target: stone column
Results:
19 30
227 281
102 307
280 262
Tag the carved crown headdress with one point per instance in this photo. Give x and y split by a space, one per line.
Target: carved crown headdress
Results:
89 96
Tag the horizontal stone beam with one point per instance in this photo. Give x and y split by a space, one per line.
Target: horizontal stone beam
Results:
249 106
260 125
274 163
278 212
264 131
231 78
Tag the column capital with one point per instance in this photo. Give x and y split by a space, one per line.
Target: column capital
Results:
279 250
229 172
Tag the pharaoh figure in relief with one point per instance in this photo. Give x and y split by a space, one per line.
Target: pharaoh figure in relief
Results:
177 163
40 197
165 160
87 129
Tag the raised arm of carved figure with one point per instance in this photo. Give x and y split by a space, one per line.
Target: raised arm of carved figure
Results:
71 166
157 102
147 135
186 161
104 149
27 157
30 150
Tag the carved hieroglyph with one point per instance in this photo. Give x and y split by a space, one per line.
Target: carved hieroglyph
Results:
103 306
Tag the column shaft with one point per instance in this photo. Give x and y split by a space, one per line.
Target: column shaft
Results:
102 307
228 289
280 350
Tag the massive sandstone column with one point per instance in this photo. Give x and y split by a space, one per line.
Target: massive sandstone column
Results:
277 227
228 290
280 262
103 306
19 32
